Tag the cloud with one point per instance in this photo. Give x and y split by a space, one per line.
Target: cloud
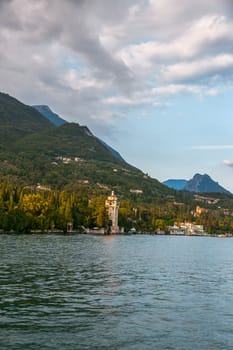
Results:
173 89
134 101
228 163
205 34
196 70
89 58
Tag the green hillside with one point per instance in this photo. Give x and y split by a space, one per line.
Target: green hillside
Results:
68 140
15 114
18 120
70 157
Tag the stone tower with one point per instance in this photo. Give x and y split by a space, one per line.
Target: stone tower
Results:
112 205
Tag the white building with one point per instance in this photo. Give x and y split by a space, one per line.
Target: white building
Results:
112 204
187 228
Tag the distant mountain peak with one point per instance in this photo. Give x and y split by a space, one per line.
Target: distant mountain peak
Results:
198 184
204 183
45 107
87 131
23 119
58 121
46 111
178 184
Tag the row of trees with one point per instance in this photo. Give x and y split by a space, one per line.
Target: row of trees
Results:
24 209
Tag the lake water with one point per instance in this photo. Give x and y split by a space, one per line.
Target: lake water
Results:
115 292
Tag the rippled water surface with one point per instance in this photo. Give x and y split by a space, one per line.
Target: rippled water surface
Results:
119 292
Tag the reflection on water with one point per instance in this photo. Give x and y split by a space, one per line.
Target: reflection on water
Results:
129 292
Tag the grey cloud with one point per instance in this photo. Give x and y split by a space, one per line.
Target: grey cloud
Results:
8 16
78 33
4 2
35 36
83 39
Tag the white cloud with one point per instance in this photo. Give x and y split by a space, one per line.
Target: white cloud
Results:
125 101
228 163
173 89
202 35
212 92
77 81
208 66
135 101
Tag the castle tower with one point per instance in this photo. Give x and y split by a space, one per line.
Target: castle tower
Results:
112 205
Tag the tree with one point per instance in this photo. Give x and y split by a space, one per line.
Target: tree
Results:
36 207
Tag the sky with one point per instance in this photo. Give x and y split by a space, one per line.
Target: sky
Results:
152 78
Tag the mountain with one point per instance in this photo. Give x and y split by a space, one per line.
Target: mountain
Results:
14 113
69 154
18 119
198 184
50 115
57 121
69 140
112 151
175 184
204 183
66 157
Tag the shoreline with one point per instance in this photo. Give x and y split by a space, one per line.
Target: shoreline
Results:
93 233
